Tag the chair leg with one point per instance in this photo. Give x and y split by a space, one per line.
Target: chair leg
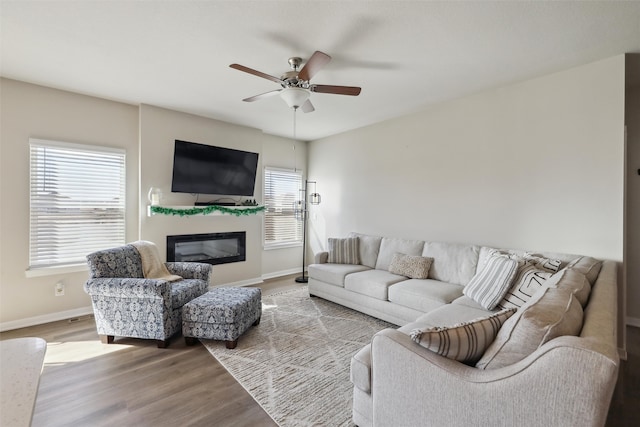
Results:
190 340
231 344
106 339
163 343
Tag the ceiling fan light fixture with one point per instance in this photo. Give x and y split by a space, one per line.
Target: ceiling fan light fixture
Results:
294 96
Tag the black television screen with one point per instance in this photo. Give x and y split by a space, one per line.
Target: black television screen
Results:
206 169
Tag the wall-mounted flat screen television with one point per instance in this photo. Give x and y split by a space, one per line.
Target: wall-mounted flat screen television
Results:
206 169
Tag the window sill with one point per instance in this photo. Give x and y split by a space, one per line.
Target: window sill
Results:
282 246
51 271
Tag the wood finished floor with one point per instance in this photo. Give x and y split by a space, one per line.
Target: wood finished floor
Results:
133 383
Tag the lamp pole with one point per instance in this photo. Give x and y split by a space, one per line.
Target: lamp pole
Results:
314 200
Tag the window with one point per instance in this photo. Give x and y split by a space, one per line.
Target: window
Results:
77 196
281 191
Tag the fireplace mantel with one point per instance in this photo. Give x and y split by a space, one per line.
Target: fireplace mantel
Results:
204 210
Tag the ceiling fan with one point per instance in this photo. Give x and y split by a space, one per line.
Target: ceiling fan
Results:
296 84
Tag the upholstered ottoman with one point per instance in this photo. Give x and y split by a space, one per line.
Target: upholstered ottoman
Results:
221 314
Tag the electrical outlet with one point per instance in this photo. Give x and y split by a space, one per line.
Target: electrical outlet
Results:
59 289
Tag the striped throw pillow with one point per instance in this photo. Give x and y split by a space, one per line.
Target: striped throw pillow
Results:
344 251
527 282
491 283
465 342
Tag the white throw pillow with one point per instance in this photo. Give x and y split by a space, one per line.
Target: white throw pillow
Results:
492 282
466 341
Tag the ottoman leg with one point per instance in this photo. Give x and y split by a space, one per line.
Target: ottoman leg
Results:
257 322
231 344
190 340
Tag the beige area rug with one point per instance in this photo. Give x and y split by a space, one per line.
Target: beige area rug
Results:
295 364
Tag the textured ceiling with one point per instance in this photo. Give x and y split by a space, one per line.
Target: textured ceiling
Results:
405 55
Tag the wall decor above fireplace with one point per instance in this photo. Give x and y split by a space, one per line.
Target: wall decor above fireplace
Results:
205 210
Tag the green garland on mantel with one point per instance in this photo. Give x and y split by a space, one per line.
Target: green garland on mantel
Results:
206 210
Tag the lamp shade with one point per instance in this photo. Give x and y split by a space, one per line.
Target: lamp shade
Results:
294 96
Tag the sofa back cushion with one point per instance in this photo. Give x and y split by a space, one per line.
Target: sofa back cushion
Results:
573 281
390 245
550 313
368 248
122 262
588 266
452 262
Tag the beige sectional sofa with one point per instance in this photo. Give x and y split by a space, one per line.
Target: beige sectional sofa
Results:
553 362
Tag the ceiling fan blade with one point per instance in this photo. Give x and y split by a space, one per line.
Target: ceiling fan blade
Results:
338 90
307 107
255 72
313 65
262 95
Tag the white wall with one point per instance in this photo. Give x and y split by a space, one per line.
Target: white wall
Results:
159 128
26 111
536 165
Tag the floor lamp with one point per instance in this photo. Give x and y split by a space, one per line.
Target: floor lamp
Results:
302 212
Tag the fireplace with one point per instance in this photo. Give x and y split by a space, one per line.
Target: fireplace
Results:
212 248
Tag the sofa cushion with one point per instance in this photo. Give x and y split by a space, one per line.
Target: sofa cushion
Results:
411 266
373 283
529 279
452 263
550 313
334 274
465 341
573 281
465 300
390 246
492 282
588 266
423 294
369 247
452 314
344 251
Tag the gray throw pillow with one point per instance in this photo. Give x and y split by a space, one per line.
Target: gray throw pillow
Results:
344 251
411 266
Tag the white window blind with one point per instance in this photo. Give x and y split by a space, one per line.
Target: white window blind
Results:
281 190
77 196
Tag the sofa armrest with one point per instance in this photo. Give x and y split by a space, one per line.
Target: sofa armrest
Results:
321 257
567 381
191 270
129 288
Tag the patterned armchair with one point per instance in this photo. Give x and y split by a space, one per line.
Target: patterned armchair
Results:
128 305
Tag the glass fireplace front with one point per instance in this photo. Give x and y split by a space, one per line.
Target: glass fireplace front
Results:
212 248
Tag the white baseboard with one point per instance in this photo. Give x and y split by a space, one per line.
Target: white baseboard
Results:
247 282
633 321
281 273
259 280
45 318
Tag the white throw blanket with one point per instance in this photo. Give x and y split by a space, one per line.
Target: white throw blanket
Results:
152 267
